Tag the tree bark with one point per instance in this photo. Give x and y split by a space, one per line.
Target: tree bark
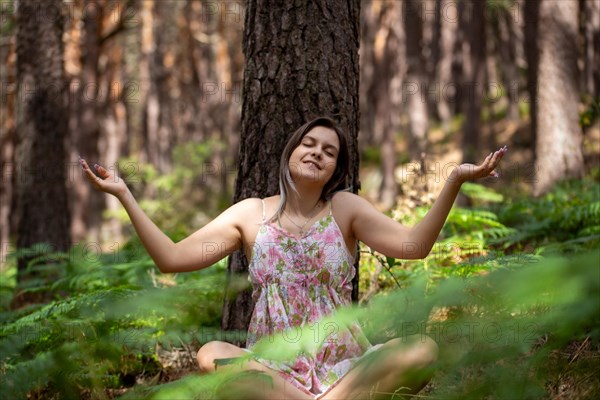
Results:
591 21
41 129
415 87
301 62
531 10
448 31
559 136
7 144
382 74
87 203
474 84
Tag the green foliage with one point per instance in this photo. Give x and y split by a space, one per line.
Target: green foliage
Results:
110 315
184 198
509 284
591 114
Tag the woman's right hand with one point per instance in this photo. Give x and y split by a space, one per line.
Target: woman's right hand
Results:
107 182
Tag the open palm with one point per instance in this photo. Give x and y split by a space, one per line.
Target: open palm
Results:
469 172
107 181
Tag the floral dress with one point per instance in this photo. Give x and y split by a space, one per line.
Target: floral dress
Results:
297 281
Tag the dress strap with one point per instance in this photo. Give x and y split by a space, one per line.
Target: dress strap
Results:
331 207
263 210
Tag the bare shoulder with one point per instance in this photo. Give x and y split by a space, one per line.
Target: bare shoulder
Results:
348 203
246 210
345 206
355 211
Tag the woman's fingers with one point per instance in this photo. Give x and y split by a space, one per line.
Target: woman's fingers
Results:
91 176
498 154
103 173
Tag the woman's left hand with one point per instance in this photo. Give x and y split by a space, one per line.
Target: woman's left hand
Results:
470 172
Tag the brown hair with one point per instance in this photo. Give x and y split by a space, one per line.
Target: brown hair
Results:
339 178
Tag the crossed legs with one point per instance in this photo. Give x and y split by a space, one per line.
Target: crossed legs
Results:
249 388
400 365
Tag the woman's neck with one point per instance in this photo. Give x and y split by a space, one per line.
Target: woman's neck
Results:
305 202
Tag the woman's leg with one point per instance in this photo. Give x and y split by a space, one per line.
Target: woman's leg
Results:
247 387
402 365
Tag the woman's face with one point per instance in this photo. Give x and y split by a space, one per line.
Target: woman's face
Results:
315 158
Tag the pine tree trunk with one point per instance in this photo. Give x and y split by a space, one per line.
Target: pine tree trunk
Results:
559 136
416 81
389 104
531 10
41 129
87 202
301 62
7 145
474 84
448 31
591 21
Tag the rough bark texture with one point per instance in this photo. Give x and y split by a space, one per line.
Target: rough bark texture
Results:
41 128
559 137
301 62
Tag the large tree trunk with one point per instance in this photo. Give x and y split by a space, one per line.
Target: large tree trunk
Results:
41 129
301 62
559 136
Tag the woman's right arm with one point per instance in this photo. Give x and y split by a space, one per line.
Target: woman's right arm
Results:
203 248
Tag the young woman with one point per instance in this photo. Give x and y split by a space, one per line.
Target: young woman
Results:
300 244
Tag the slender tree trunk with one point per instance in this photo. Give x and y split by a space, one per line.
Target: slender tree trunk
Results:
370 24
41 129
381 111
85 133
7 145
474 84
591 21
390 101
559 136
531 10
415 85
159 112
448 28
301 62
508 53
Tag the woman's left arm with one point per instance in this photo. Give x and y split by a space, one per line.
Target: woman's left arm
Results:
427 230
393 239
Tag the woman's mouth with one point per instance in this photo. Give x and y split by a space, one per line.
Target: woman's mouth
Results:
314 164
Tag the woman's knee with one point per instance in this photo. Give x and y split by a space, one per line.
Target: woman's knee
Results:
207 354
420 351
424 352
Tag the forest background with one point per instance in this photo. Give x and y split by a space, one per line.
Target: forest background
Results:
155 89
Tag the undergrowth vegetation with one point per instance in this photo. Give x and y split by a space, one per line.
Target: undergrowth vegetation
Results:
510 287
